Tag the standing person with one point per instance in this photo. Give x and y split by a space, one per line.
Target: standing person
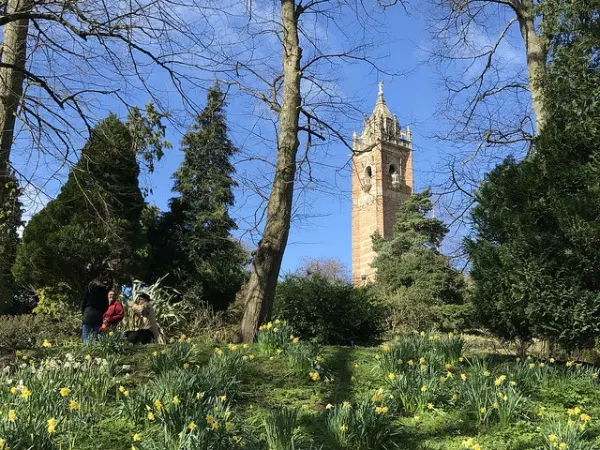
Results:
93 307
114 314
149 330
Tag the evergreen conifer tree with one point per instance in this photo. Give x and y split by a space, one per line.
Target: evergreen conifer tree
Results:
194 237
93 227
412 274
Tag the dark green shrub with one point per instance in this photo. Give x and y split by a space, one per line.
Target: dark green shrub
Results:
28 331
455 317
330 312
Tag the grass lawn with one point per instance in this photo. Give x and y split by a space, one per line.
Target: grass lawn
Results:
440 396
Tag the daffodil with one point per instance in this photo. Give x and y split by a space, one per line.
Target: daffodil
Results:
192 426
73 404
228 426
151 416
46 343
176 401
137 437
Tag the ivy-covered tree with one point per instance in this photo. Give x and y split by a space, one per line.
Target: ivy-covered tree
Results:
93 227
193 239
412 274
10 221
536 255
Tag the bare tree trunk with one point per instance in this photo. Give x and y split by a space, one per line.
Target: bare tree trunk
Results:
260 290
12 65
536 49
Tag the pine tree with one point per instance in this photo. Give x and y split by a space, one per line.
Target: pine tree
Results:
10 221
93 227
412 274
199 250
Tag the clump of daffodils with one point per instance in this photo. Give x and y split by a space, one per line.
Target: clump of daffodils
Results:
470 444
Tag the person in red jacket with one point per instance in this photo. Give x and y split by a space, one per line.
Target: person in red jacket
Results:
114 314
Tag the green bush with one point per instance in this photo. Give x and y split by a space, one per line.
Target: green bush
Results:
27 331
53 301
330 312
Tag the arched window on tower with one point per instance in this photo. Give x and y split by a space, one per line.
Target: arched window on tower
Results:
367 178
394 176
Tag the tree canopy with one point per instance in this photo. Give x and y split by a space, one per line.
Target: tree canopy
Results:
193 239
536 256
413 277
93 227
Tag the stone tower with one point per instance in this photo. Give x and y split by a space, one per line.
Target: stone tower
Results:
382 178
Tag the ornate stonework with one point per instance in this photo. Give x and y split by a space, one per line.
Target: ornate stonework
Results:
382 178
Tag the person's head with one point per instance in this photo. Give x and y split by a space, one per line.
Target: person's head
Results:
112 296
96 282
144 297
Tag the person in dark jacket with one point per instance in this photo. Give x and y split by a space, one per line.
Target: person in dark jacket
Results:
93 307
114 314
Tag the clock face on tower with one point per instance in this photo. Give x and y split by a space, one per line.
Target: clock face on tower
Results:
382 179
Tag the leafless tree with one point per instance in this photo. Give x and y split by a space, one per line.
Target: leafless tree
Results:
299 89
491 56
332 269
64 61
480 41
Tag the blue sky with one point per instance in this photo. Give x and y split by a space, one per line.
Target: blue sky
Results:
414 97
323 226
